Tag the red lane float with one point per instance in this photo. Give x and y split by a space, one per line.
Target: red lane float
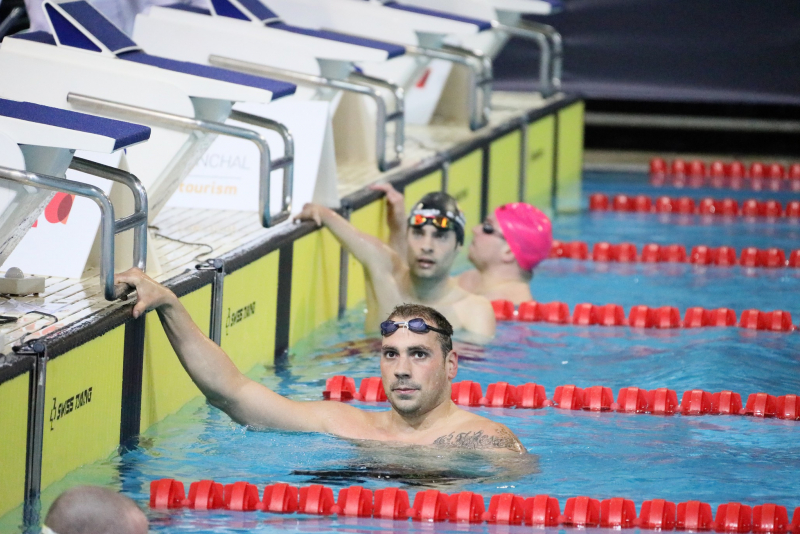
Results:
719 174
724 256
723 207
468 507
660 401
639 317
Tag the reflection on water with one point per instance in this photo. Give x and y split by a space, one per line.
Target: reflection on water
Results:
415 466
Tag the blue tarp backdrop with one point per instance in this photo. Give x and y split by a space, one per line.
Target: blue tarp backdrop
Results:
732 51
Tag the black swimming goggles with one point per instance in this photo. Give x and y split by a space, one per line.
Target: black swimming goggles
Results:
488 229
418 326
442 222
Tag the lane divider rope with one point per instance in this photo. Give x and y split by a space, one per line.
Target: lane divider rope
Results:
750 209
660 401
724 256
642 316
719 175
468 507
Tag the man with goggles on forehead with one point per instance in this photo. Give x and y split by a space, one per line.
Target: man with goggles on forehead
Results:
421 271
505 248
418 365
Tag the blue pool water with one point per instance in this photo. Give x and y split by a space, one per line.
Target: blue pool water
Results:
715 459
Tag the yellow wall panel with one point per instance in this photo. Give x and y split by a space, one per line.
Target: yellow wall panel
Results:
504 170
570 158
539 172
464 184
371 219
83 395
249 305
166 386
315 283
14 425
416 190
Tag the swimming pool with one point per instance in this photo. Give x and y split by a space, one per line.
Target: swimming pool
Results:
715 459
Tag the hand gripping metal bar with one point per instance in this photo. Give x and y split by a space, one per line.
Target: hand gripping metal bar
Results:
108 225
190 124
550 46
479 103
383 117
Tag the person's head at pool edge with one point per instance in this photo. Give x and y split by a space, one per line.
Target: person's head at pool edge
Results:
417 359
435 236
516 237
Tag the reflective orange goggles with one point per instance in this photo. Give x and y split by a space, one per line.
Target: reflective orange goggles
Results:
439 221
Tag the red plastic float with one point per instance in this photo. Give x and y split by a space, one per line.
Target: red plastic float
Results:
673 254
788 407
371 390
696 402
528 312
500 395
725 257
641 317
532 396
770 518
241 496
632 400
736 170
717 169
617 513
726 403
622 203
678 167
697 169
466 507
733 517
598 202
752 319
584 315
598 399
542 511
694 515
658 166
554 312
166 493
794 259
568 397
316 499
466 393
696 317
339 388
602 252
609 315
642 204
355 501
776 171
663 401
280 498
506 508
391 503
793 209
757 170
581 512
625 252
651 253
657 514
503 310
761 405
430 505
205 495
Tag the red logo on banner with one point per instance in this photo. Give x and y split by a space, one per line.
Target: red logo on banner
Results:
423 79
57 211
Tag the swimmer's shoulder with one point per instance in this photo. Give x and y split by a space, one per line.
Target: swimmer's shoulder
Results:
469 280
476 314
479 433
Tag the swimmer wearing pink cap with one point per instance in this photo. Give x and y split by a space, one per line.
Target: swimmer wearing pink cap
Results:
505 249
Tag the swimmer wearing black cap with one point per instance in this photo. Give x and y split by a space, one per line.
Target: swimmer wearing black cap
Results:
421 274
418 366
505 247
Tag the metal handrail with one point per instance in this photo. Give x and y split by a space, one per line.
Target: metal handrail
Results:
550 46
190 124
109 226
285 162
299 78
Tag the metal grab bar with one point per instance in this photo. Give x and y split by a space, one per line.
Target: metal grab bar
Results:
285 162
299 78
550 46
108 225
178 122
480 76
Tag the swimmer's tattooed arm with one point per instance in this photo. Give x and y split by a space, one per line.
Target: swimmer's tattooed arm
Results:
504 439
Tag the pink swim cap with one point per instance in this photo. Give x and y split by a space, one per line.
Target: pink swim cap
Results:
528 232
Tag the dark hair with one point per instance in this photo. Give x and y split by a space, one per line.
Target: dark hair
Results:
446 205
430 316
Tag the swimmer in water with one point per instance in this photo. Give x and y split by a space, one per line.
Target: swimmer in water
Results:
505 248
421 273
417 364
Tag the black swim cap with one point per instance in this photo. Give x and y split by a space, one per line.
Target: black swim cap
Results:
441 204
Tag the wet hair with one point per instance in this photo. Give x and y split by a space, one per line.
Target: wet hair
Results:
431 317
95 510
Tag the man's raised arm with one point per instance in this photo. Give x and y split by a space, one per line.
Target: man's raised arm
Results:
395 217
244 400
376 257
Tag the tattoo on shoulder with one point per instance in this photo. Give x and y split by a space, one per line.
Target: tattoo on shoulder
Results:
504 439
